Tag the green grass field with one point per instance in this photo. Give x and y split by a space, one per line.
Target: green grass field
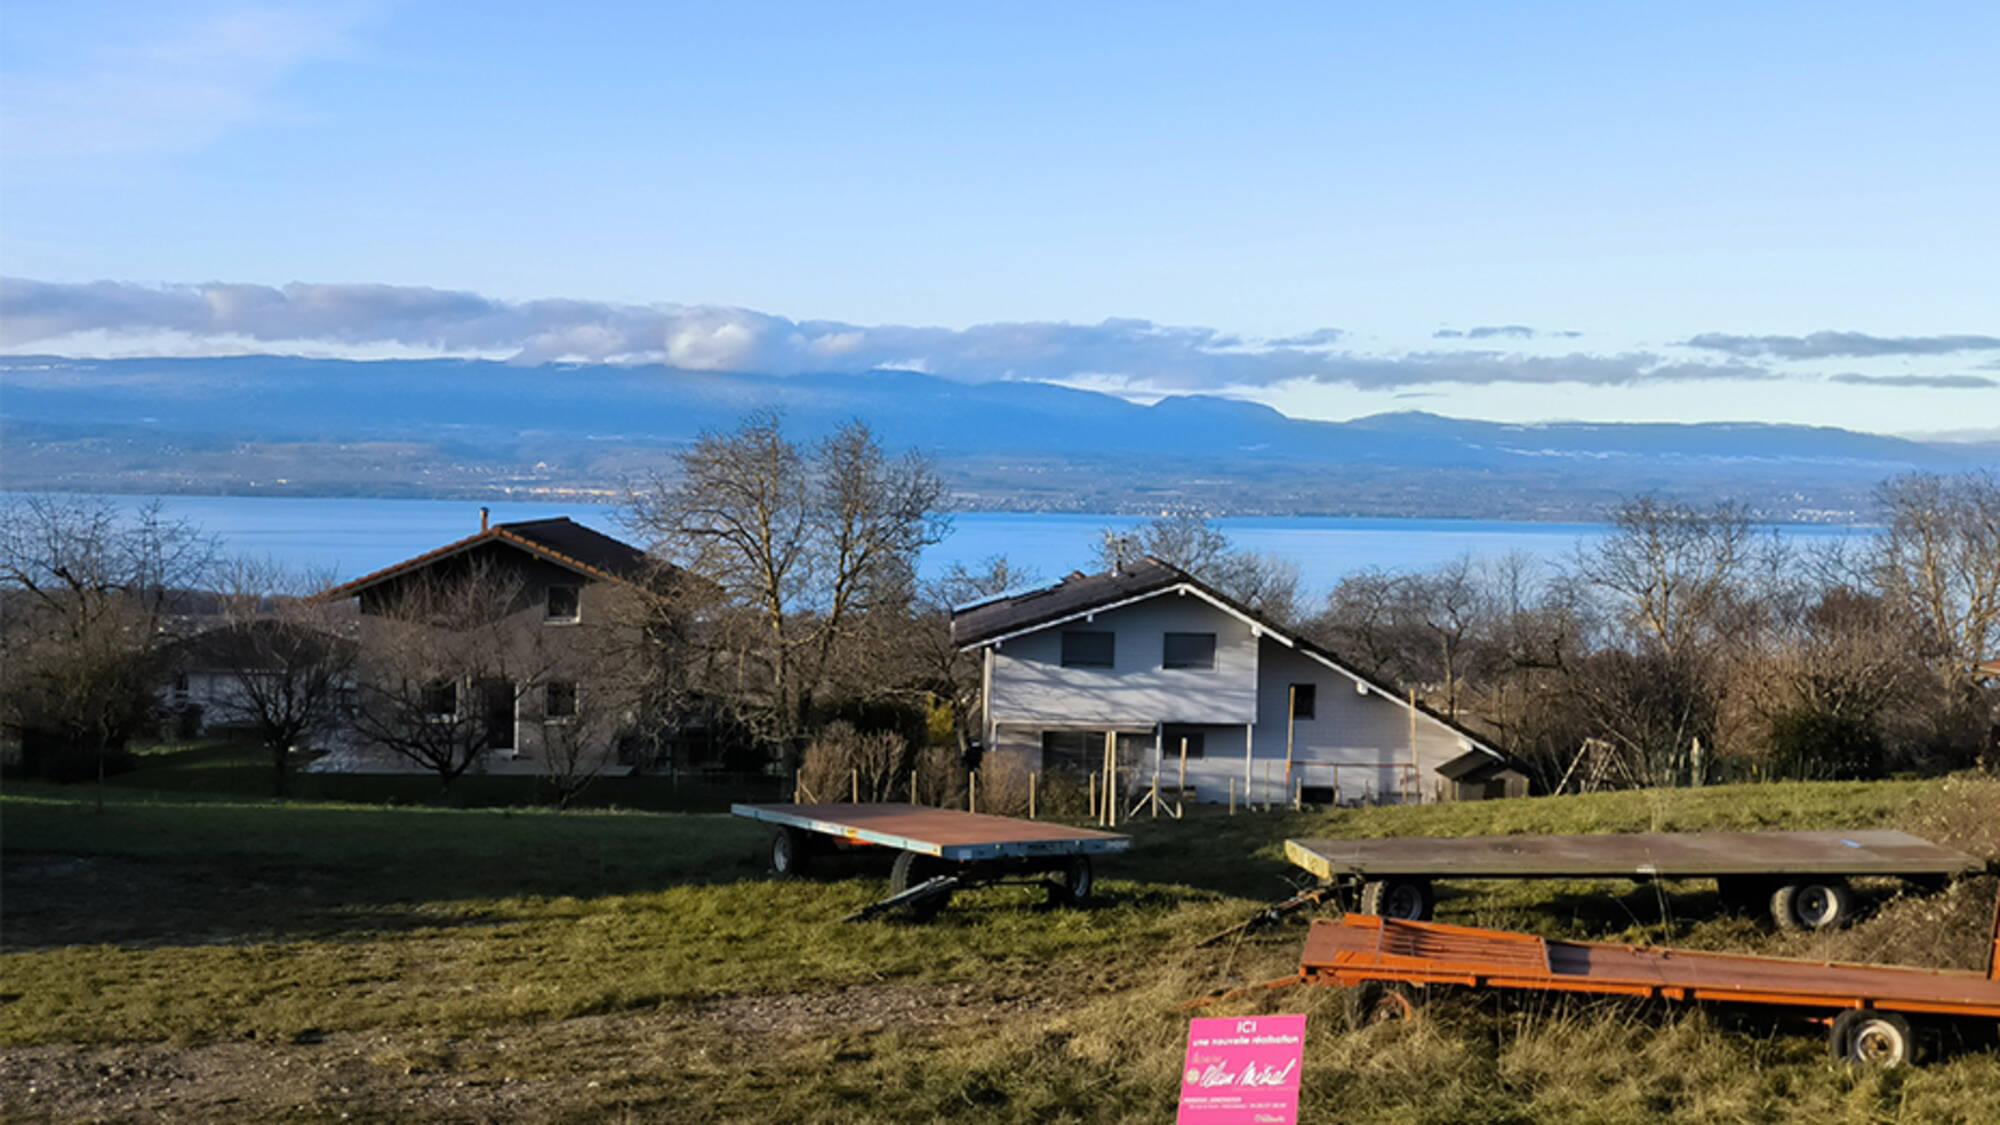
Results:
231 956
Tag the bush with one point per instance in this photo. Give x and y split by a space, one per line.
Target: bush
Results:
1816 746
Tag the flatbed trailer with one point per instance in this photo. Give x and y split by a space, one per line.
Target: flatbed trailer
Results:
1800 877
1868 1010
939 850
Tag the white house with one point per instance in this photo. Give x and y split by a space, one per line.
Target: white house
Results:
1169 665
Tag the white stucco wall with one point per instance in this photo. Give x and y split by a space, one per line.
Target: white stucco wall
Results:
1369 736
1030 685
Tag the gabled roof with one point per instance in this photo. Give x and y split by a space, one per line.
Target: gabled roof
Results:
242 644
1475 766
561 540
995 621
1990 669
1076 595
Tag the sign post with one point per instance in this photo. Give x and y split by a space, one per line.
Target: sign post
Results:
1243 1071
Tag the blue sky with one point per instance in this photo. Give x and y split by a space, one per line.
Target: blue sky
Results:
1148 199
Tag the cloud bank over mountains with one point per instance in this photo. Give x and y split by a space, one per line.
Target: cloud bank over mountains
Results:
1136 358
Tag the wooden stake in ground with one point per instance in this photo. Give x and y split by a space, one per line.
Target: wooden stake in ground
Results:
913 787
1291 722
1093 796
1232 796
1180 792
854 781
972 791
1031 794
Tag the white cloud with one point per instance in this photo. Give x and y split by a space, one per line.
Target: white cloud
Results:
1136 359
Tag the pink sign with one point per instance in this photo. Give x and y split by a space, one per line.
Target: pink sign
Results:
1243 1071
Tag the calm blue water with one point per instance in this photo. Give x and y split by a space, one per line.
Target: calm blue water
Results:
348 538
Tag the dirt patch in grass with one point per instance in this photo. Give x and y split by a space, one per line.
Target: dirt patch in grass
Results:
873 1008
520 1072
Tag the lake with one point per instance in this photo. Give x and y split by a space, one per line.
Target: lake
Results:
351 537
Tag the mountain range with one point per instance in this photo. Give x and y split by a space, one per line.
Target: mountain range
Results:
466 428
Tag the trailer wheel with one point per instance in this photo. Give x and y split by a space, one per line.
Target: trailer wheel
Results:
1872 1039
791 853
913 869
1071 884
1812 906
1408 900
1375 1001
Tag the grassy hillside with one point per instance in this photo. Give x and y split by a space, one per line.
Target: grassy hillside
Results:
222 956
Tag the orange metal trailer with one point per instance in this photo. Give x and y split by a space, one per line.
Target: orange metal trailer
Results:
1868 1009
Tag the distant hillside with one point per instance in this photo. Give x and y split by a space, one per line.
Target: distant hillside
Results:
264 424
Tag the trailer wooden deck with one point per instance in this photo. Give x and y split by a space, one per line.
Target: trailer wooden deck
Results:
1675 855
948 834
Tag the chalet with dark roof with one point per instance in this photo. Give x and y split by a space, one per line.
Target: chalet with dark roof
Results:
557 647
1168 667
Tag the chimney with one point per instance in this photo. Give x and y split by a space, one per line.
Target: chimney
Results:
485 514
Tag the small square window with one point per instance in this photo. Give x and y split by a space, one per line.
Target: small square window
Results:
559 701
441 699
1189 650
1305 700
1088 650
565 603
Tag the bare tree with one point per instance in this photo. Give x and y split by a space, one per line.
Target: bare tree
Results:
1672 573
802 549
951 676
1939 562
288 659
88 592
441 670
1267 585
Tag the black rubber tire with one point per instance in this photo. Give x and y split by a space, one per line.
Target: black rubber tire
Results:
1375 1002
1826 904
1071 884
1877 1040
791 854
914 869
1409 900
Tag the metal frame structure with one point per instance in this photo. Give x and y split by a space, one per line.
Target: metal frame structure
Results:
1866 1008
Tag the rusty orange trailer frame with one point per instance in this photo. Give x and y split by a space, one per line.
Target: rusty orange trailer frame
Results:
1362 947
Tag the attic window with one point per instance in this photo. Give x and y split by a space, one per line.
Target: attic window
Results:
1305 700
1082 649
565 603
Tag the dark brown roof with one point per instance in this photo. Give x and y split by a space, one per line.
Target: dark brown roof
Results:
998 617
1476 765
561 540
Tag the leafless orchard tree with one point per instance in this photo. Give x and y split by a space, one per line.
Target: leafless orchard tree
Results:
87 592
802 547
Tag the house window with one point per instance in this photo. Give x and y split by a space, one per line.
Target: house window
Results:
1189 650
1081 752
1171 738
565 603
1305 700
440 699
180 683
559 701
1087 650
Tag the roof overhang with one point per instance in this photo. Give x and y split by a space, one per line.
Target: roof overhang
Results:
449 550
